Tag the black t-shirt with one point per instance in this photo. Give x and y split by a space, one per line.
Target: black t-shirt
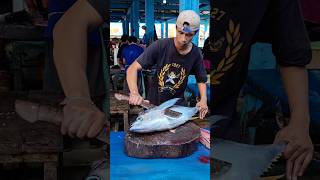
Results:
236 25
173 69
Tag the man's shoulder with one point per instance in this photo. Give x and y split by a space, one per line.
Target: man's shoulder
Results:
164 40
161 44
196 51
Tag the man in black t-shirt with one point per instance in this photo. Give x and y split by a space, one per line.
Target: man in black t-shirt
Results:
236 25
81 117
175 58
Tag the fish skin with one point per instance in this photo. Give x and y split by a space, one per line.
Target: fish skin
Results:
155 119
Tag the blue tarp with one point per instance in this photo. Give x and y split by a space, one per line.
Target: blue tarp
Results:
268 81
123 167
261 57
193 86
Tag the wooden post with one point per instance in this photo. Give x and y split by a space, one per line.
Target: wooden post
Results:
50 171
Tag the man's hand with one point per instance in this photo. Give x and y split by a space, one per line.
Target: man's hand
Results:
81 118
135 99
299 150
203 108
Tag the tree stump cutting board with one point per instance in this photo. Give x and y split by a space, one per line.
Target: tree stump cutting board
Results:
165 144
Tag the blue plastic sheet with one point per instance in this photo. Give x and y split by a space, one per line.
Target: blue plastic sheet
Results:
268 81
123 167
261 57
193 86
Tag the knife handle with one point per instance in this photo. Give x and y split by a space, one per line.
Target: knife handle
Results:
122 97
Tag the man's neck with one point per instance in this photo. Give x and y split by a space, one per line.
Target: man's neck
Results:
183 50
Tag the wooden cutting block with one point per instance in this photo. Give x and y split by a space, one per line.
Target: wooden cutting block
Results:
165 144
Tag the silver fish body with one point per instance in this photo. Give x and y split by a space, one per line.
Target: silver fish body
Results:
156 120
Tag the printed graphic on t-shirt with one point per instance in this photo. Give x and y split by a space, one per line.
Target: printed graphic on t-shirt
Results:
224 46
171 78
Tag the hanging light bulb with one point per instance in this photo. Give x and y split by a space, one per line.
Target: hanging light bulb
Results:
164 1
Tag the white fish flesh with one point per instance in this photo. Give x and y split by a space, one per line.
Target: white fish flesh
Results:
156 120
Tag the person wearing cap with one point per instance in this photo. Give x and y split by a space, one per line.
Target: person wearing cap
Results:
175 58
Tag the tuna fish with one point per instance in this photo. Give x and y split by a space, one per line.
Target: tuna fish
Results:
155 119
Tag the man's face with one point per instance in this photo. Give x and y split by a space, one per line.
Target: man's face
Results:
183 38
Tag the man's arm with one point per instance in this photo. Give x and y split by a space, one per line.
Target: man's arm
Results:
201 77
299 150
147 59
295 80
202 104
70 47
202 90
292 50
132 80
81 118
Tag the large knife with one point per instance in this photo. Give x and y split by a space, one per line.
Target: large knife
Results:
33 112
147 105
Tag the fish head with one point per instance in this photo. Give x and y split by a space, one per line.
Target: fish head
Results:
148 122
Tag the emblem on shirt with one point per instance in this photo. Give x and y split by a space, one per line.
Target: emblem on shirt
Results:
232 47
171 77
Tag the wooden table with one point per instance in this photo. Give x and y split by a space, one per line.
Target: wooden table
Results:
21 141
22 32
119 107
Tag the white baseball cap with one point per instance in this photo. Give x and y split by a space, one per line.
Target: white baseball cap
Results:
188 21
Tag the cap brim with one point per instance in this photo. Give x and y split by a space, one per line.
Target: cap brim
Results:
186 29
